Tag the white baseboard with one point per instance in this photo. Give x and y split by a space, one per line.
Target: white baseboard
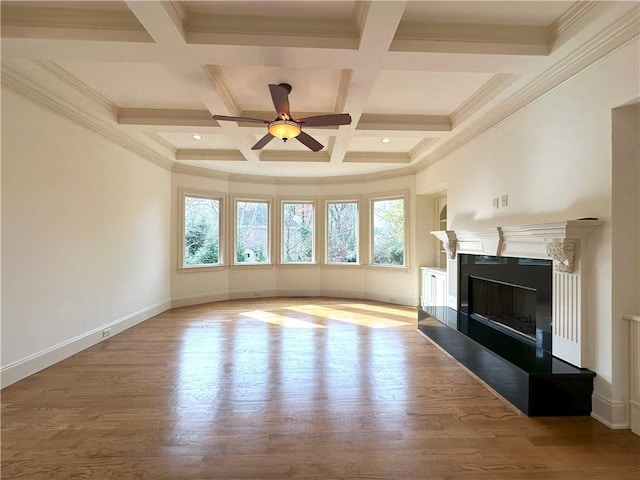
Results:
198 299
391 298
39 361
614 414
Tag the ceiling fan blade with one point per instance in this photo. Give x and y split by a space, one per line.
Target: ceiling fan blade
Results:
263 141
280 97
238 119
310 142
326 120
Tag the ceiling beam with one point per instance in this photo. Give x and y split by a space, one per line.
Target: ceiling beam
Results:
160 20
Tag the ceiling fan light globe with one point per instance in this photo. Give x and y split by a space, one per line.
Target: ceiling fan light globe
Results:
284 129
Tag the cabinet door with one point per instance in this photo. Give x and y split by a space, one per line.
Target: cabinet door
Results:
427 289
440 290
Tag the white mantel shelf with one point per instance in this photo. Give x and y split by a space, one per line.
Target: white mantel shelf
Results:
557 241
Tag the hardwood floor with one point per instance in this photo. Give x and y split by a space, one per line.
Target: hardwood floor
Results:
302 388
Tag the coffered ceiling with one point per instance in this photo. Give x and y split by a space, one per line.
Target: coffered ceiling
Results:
427 76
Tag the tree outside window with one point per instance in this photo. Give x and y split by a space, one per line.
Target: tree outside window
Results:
342 232
201 231
252 232
297 232
388 232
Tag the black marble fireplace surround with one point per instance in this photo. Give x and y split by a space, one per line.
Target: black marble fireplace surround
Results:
506 340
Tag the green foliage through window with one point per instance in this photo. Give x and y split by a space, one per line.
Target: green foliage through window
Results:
297 233
388 232
342 232
201 231
252 232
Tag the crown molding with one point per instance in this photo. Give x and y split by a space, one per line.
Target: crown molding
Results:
162 142
496 84
219 82
577 11
31 91
296 32
606 42
422 123
209 154
377 157
171 117
286 156
471 38
88 24
179 9
421 147
79 86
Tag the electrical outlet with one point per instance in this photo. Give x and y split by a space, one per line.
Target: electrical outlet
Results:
496 202
106 332
505 200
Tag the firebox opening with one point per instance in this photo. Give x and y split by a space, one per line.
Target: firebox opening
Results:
510 306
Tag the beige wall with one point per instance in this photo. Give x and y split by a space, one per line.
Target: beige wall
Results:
554 160
85 242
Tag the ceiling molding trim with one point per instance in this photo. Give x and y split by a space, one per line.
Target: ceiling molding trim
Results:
162 142
171 117
571 16
209 154
343 89
610 39
198 171
219 82
472 38
496 84
179 10
423 123
237 178
306 157
422 147
78 85
377 157
29 90
88 24
359 14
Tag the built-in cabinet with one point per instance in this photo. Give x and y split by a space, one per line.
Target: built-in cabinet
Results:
433 287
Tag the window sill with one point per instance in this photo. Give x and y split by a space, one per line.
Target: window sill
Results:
201 268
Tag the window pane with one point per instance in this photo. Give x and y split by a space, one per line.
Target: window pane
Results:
297 233
252 232
201 231
388 232
342 232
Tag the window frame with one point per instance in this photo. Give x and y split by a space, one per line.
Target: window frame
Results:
404 196
234 243
183 194
359 236
314 225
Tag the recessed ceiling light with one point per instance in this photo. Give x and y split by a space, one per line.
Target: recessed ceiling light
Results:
385 140
197 137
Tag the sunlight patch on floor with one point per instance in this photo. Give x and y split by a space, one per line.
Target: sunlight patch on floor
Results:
379 309
347 317
281 320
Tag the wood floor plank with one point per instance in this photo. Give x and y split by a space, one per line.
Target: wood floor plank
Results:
306 388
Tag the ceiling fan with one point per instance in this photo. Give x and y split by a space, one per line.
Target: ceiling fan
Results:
285 126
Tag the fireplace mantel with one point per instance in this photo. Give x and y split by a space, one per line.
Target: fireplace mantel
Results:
561 242
557 241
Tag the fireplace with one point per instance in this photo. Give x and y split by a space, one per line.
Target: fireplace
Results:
509 294
507 306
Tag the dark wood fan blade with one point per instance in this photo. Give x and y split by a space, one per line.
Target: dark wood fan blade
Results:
326 120
263 141
310 142
238 119
280 97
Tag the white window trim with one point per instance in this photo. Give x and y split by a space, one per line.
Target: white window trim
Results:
222 234
270 231
325 241
280 237
398 195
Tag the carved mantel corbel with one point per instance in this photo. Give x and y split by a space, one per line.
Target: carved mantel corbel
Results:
563 254
449 242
